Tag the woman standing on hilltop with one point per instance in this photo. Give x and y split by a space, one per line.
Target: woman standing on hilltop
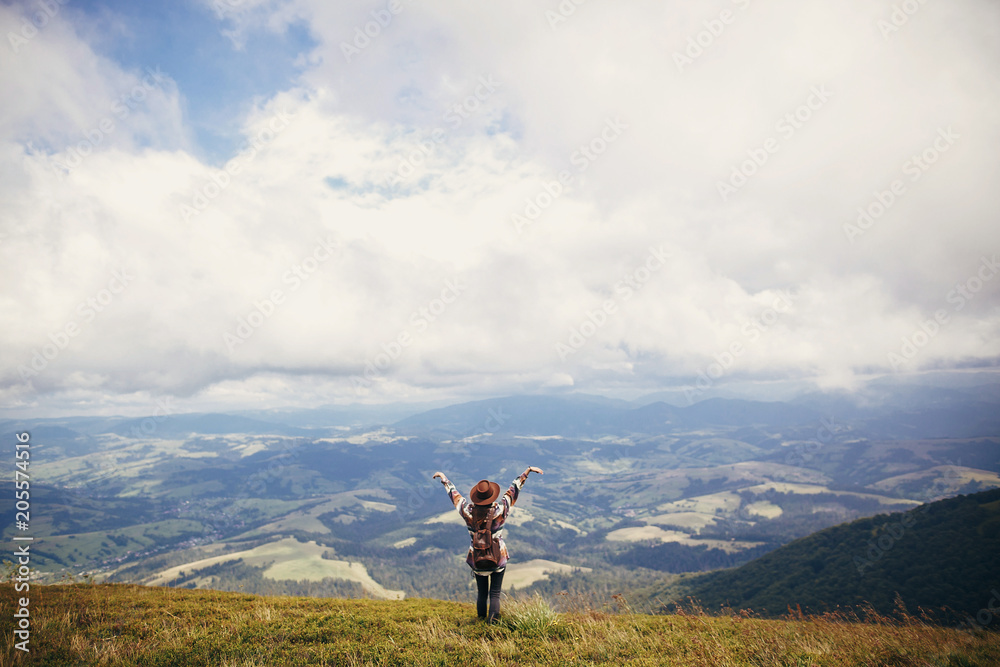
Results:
485 518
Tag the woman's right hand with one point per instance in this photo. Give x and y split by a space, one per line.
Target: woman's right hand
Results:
533 469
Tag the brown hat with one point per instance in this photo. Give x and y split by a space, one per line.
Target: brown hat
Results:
485 492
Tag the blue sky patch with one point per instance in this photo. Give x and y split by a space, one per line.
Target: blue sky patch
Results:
218 82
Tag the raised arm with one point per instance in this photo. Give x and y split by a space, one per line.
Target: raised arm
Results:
514 490
529 469
453 493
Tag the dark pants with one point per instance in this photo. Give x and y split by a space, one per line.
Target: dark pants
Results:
489 585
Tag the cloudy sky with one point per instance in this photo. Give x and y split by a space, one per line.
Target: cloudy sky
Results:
235 203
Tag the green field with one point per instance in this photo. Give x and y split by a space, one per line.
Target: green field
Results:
119 625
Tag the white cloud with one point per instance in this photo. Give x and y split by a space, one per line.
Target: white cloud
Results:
353 125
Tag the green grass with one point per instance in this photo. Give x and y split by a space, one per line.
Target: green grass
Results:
118 624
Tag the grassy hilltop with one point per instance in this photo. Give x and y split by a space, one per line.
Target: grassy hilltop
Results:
115 624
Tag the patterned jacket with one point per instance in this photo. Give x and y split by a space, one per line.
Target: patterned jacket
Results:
503 505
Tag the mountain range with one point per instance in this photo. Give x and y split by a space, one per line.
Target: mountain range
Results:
339 501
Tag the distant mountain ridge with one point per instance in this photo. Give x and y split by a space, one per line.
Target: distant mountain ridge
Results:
198 423
570 416
885 410
548 416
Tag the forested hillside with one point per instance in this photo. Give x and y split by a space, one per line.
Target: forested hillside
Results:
941 557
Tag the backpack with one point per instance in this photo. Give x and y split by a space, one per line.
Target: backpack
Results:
485 549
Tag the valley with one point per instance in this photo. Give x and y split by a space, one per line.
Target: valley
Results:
630 493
